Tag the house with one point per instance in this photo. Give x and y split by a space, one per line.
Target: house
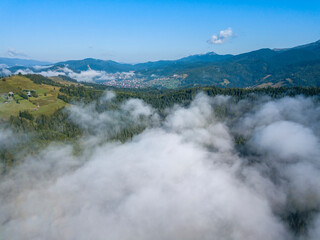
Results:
10 96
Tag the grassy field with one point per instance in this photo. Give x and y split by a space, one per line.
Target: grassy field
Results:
46 102
59 80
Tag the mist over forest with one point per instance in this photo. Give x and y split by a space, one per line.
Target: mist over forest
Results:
217 167
160 120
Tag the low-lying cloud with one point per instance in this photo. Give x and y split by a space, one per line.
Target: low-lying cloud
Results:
4 70
183 177
89 75
133 112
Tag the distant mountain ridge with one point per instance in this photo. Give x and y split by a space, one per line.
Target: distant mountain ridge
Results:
21 62
297 66
95 64
112 66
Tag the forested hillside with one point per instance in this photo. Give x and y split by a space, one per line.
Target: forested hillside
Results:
60 111
44 115
291 67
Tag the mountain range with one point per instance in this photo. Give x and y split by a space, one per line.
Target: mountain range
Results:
298 66
11 62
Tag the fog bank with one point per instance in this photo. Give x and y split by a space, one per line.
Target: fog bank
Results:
184 177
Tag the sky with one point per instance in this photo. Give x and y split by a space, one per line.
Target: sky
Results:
139 31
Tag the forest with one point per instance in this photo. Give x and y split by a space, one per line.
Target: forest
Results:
59 127
115 115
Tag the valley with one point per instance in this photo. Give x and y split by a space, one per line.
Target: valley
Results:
298 66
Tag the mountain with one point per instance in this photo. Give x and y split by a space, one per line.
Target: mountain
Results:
95 64
10 62
112 66
209 57
313 47
297 66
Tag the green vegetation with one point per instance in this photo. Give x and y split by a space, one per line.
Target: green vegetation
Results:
43 100
43 115
299 66
161 99
43 119
39 79
26 115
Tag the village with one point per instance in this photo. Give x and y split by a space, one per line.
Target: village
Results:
134 81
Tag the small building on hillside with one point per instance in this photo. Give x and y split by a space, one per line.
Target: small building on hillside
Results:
29 94
10 96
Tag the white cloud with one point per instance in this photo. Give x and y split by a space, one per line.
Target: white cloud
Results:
287 140
37 67
106 123
2 65
90 75
24 71
84 76
222 37
183 178
107 96
48 73
11 52
5 135
4 71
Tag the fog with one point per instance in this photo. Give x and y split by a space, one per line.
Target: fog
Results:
183 177
89 75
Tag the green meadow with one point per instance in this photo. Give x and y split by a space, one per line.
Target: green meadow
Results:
46 101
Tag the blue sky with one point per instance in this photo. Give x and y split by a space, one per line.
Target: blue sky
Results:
137 31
